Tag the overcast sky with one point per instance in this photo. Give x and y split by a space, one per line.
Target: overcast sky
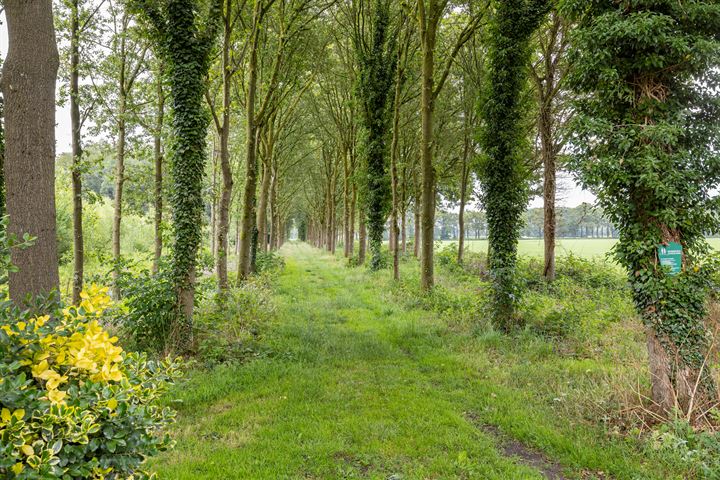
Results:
569 193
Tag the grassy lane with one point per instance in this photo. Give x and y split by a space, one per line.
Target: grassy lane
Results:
355 386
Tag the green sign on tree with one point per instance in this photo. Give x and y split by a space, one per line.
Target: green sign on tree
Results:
671 256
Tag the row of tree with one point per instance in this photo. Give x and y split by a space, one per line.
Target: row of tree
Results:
339 115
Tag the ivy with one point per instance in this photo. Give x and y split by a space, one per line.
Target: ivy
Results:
2 158
646 138
503 173
377 63
184 39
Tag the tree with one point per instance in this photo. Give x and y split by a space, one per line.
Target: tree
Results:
429 14
377 62
222 124
159 157
548 73
504 175
127 74
184 38
403 58
28 85
646 77
77 21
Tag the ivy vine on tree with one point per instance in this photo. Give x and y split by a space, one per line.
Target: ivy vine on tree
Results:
503 173
646 78
184 39
377 62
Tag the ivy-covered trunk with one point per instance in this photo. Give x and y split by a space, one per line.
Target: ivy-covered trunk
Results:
249 197
504 174
184 39
646 137
377 63
427 108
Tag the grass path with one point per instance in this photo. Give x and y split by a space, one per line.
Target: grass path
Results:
353 385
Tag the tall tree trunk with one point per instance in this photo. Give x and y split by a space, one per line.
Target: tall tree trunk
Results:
157 138
328 214
464 177
362 239
549 188
75 121
119 157
265 188
238 229
403 230
248 206
347 193
225 167
28 85
3 210
353 214
394 154
214 202
417 228
427 277
274 209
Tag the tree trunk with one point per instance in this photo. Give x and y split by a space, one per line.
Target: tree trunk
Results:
265 191
416 232
119 159
427 279
362 240
214 202
464 178
403 230
353 213
461 224
248 206
159 170
78 243
28 85
238 229
225 167
549 188
394 154
274 210
347 193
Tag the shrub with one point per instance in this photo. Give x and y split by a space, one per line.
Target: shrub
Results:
149 309
269 262
73 404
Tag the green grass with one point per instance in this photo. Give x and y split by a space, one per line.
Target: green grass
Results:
354 385
582 247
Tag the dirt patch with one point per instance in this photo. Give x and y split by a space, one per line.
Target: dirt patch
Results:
517 450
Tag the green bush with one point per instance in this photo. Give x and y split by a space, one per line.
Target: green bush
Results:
269 262
149 309
73 404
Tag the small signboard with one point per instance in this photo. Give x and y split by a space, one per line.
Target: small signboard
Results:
670 255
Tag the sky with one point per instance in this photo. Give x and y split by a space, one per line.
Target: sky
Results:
569 194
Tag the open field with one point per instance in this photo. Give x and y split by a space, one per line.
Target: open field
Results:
582 247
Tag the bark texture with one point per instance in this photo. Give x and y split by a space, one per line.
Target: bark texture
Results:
28 85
